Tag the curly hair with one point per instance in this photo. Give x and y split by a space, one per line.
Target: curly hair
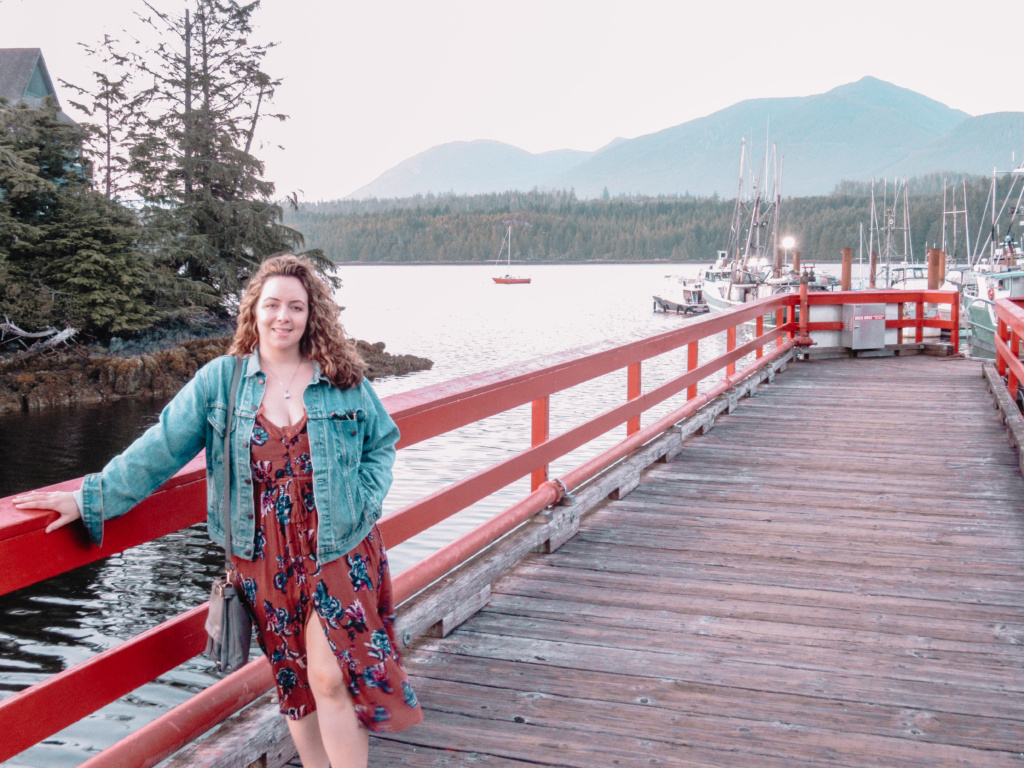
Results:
324 339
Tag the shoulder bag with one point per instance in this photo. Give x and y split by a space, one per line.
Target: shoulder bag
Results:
228 623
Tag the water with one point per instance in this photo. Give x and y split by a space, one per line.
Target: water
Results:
454 315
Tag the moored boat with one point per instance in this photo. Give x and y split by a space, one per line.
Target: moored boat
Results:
683 295
507 278
981 311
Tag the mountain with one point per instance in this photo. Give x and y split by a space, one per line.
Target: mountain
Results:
977 143
470 168
862 130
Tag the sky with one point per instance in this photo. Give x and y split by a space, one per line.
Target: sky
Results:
371 83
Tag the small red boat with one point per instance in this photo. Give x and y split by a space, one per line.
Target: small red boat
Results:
509 279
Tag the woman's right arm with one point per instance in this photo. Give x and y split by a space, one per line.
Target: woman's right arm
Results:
149 462
139 470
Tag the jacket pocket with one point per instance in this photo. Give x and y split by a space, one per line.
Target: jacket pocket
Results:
347 428
216 418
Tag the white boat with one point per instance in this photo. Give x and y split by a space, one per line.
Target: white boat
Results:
753 265
980 310
680 294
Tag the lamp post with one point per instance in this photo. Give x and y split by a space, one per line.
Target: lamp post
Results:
787 245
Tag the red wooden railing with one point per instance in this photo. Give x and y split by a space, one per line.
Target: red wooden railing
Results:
45 708
1008 336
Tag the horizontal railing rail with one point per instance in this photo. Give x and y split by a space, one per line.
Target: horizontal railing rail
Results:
43 709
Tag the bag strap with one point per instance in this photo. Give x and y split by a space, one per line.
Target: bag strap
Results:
227 466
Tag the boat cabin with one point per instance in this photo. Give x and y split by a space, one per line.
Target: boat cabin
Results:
1001 285
905 272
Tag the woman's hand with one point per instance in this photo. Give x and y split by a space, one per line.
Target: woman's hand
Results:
61 502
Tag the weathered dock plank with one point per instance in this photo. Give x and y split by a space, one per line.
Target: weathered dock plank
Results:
833 576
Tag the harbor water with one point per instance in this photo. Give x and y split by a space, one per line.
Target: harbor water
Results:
453 315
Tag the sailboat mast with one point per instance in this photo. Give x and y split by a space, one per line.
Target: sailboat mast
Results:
967 223
995 218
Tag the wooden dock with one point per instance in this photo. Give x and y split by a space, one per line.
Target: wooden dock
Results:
833 576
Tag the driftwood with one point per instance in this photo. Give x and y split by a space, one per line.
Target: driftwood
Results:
47 339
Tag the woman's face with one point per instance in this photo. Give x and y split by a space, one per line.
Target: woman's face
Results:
282 312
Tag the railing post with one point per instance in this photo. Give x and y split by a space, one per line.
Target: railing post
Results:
919 322
780 319
730 345
539 433
759 331
691 365
632 393
899 316
954 318
1000 360
1011 379
804 339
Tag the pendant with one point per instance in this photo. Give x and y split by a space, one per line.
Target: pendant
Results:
287 394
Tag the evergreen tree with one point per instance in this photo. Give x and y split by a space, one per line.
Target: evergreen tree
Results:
66 252
91 262
210 215
117 110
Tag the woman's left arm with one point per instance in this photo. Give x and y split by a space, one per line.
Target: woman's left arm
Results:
378 453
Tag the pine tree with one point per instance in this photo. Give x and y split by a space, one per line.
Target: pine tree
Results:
210 215
92 264
116 107
68 254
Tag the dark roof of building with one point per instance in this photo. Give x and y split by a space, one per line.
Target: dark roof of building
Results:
24 77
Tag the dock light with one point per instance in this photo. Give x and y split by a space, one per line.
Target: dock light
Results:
788 243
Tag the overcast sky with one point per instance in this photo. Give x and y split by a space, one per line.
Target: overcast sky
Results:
371 83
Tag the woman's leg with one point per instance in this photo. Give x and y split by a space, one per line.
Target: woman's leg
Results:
306 735
344 739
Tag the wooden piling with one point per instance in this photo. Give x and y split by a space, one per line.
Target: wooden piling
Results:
847 279
933 269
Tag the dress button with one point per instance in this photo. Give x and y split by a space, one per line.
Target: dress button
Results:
249 515
248 481
353 433
245 444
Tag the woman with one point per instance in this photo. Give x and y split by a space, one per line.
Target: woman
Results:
311 455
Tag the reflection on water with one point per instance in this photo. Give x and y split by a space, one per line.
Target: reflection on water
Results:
457 317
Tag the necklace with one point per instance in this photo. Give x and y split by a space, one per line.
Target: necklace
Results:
288 386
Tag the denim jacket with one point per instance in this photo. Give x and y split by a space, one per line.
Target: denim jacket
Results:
352 446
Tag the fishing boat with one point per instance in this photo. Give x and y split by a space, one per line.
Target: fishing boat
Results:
994 269
981 309
682 295
753 265
741 271
508 278
896 268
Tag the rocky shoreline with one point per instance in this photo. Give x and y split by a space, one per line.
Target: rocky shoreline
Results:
82 376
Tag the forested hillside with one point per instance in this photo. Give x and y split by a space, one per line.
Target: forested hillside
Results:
556 226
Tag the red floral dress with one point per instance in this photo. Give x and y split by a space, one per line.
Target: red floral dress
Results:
351 595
